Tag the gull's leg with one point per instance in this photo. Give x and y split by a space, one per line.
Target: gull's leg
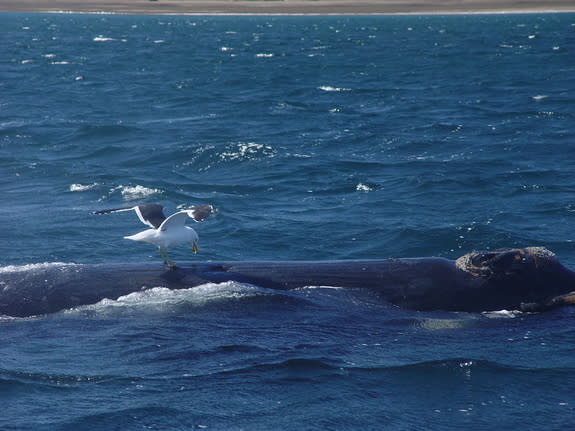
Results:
195 248
164 254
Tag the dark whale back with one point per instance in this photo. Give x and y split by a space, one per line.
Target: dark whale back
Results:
505 279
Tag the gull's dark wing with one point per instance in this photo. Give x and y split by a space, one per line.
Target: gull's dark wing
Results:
149 214
200 212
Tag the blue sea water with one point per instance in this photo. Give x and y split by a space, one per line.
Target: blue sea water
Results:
315 138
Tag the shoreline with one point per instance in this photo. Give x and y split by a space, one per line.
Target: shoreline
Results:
288 7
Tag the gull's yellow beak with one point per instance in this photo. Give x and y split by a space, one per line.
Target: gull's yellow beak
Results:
195 248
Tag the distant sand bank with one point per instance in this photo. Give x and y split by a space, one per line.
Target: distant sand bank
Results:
321 7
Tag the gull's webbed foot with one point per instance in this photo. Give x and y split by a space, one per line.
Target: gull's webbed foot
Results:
171 264
164 254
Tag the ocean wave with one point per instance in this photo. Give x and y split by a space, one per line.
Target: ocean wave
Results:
311 368
297 368
12 378
206 157
451 365
174 120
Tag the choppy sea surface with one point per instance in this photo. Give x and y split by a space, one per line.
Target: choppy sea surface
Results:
315 138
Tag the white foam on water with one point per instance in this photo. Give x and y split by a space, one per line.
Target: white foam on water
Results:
82 187
36 266
101 38
163 299
247 151
136 192
360 187
502 314
442 324
330 88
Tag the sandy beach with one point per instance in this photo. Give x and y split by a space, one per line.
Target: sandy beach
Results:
271 7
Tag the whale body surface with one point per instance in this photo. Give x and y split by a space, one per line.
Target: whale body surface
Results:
530 279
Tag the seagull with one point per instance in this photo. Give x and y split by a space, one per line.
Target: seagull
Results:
166 231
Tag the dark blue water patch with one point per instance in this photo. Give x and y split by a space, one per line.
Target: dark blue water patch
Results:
281 381
15 382
149 417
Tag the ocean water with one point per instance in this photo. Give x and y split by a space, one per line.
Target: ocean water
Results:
314 138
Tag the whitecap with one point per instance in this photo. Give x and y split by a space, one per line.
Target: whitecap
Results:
82 187
136 192
101 38
246 151
502 314
360 187
264 55
540 97
330 88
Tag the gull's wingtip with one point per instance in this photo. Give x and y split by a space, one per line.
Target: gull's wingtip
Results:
200 212
112 210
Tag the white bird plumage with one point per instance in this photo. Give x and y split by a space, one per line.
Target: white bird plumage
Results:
166 232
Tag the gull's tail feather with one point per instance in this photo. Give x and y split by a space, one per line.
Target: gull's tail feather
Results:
145 236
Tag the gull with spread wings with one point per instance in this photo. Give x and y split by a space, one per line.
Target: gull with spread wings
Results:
168 231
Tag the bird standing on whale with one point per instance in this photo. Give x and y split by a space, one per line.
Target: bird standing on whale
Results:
168 231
